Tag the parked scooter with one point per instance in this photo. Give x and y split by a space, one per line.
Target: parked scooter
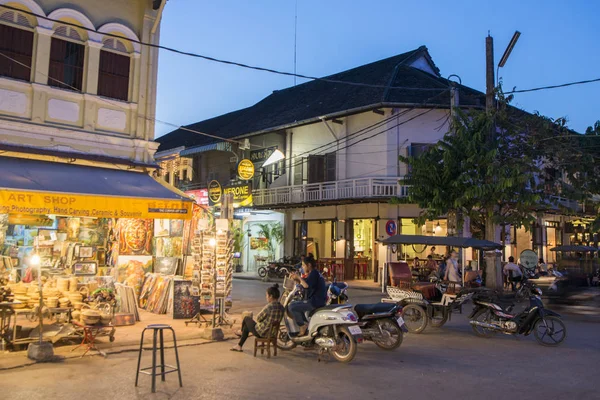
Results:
275 270
488 318
332 329
381 323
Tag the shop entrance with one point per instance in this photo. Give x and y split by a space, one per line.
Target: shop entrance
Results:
316 237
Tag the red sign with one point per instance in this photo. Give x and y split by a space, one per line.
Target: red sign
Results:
200 195
390 227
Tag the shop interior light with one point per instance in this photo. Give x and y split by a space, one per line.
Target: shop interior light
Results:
276 156
35 260
438 227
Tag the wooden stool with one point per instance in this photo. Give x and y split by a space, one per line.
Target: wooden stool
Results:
265 343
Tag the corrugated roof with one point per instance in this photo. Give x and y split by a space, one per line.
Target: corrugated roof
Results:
311 100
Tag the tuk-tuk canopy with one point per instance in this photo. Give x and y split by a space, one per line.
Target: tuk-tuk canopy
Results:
451 241
575 248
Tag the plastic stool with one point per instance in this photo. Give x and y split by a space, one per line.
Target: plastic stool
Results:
158 331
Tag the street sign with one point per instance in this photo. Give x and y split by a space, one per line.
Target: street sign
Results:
214 192
390 227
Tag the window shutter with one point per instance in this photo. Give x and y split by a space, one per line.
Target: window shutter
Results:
66 64
18 45
330 167
316 168
299 171
113 75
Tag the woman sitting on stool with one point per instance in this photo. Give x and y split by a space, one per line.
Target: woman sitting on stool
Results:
271 314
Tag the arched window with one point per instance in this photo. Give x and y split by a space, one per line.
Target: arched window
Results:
67 55
114 69
16 45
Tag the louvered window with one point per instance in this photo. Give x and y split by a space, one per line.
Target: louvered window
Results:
66 60
113 75
16 46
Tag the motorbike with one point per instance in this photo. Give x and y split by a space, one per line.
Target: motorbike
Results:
332 330
381 323
276 270
488 318
336 293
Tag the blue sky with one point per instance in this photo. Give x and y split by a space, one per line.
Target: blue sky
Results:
560 42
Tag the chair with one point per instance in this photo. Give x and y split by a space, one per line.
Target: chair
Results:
265 343
158 332
399 274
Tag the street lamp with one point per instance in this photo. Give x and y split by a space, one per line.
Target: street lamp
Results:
41 351
506 55
276 156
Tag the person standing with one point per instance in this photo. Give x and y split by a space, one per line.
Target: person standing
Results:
513 272
452 274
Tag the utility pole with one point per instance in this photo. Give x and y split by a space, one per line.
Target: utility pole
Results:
493 270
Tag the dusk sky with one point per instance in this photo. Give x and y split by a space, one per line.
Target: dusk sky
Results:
559 43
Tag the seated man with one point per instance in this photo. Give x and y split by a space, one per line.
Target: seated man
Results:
316 294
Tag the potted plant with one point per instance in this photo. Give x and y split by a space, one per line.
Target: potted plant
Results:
273 233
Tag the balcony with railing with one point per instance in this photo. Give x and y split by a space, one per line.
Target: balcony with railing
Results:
331 192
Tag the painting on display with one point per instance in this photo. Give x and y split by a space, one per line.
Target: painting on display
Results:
162 227
258 243
177 226
135 236
185 305
166 265
132 269
188 270
168 247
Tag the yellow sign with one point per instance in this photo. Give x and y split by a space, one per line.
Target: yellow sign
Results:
246 169
94 206
242 195
214 192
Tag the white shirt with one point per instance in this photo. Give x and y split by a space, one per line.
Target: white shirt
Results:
452 270
514 268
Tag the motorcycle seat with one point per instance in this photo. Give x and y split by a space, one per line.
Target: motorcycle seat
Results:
363 309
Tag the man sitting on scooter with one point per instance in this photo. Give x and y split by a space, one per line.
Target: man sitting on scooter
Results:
316 294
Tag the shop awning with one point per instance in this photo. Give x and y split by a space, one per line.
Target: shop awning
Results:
442 241
36 187
568 248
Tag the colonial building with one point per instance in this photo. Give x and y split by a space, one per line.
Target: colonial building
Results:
341 137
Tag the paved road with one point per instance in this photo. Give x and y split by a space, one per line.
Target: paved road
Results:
444 363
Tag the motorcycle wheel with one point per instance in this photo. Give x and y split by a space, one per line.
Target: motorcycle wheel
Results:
483 315
396 335
345 350
415 318
262 272
283 340
552 333
439 321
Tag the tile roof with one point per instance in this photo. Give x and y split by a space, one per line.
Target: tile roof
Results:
307 102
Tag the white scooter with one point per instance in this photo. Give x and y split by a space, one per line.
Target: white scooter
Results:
332 329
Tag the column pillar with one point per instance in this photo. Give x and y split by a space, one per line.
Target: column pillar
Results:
92 66
41 64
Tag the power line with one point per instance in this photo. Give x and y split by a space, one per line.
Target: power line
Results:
554 86
222 61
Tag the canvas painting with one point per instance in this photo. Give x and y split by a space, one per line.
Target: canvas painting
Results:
184 304
132 269
135 236
166 265
177 228
162 227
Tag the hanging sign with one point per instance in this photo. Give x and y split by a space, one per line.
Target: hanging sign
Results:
200 196
95 206
214 192
390 227
245 169
261 155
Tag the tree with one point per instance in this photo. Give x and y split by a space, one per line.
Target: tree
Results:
489 180
273 233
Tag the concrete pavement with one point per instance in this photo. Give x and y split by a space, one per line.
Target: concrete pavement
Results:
440 363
